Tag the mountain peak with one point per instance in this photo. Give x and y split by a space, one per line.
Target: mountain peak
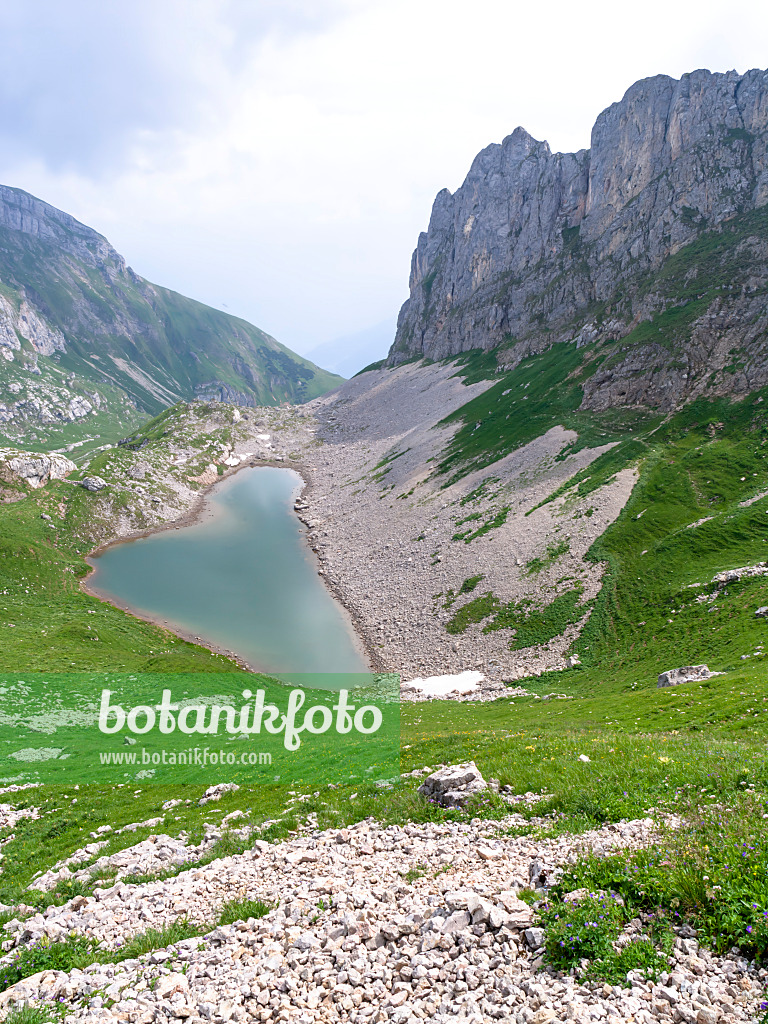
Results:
536 247
20 211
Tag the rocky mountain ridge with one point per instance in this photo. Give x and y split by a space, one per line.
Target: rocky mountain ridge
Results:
20 211
660 228
80 333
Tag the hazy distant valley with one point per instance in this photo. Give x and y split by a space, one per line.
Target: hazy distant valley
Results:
90 349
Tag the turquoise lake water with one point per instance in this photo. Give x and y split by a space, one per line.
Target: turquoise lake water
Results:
242 579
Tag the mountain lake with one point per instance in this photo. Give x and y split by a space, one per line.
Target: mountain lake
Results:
242 579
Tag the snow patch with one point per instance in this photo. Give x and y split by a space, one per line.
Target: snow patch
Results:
439 686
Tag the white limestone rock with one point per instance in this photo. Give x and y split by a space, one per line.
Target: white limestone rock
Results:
93 483
687 674
454 785
36 468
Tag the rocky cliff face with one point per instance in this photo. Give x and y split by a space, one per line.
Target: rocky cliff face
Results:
79 331
538 247
22 212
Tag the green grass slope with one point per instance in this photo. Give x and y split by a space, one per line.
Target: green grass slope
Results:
699 507
609 746
47 622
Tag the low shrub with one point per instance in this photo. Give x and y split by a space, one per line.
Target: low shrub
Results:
587 929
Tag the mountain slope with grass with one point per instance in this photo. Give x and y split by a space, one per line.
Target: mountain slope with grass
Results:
654 800
606 313
88 345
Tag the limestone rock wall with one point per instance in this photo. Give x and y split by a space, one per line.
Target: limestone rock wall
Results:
537 247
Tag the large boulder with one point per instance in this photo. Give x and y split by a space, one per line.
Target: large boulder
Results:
454 785
93 483
688 674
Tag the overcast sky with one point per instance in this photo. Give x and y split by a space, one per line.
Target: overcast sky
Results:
277 158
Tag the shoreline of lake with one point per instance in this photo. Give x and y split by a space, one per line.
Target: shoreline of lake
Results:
195 516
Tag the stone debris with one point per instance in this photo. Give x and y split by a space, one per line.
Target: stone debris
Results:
699 522
353 940
745 572
401 548
18 789
154 854
454 785
217 792
138 470
365 858
688 674
10 816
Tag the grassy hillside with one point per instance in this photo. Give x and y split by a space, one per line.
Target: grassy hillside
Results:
116 324
698 508
599 743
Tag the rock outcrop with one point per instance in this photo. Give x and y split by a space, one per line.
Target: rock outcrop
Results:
687 674
453 786
661 225
25 323
35 468
93 483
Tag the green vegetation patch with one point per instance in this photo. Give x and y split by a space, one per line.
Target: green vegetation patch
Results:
536 626
466 587
470 583
532 626
542 392
384 465
494 520
242 910
587 929
378 364
670 327
553 552
481 491
473 612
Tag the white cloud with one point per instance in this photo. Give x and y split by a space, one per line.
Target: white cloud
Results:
282 157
